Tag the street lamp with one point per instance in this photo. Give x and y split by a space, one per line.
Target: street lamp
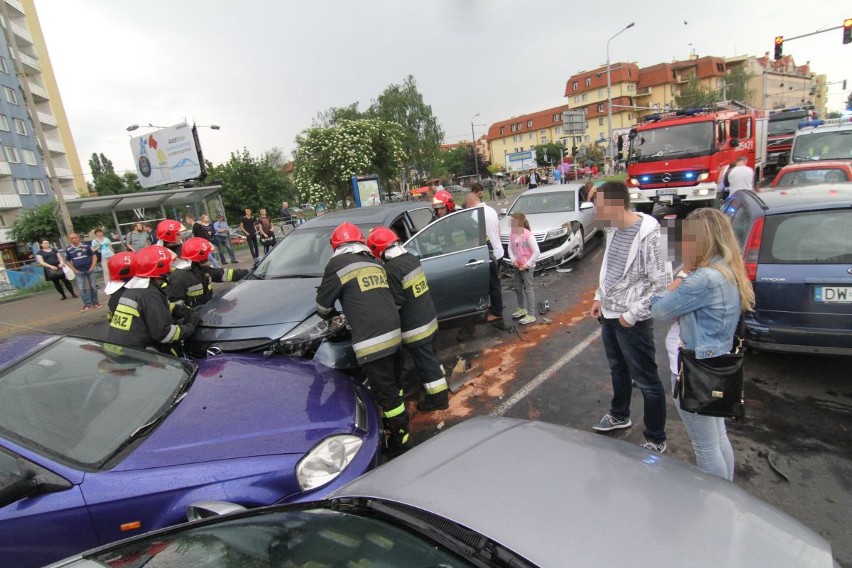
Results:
473 145
609 94
133 127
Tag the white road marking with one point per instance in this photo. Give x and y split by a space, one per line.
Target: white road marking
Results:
545 375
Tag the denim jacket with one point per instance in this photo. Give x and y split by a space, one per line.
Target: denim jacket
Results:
708 306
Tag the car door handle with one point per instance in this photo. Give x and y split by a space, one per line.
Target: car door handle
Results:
475 262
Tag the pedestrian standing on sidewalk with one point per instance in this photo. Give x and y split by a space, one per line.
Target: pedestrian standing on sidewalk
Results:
249 226
203 230
82 261
523 252
49 258
103 247
138 238
631 274
222 238
266 231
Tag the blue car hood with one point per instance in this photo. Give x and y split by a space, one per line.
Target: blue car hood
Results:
243 406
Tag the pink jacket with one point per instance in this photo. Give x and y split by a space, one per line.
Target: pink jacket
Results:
523 248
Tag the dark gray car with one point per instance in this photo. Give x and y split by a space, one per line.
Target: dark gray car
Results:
273 309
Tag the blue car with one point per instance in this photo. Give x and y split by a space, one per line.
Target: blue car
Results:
98 443
797 247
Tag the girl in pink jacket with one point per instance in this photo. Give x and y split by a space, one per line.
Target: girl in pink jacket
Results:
523 252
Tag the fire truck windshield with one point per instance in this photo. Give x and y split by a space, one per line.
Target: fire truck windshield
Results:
787 125
673 142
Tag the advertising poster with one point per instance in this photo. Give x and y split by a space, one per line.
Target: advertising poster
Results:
165 156
366 191
520 161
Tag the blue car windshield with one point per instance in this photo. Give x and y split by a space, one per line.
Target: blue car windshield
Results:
78 401
550 202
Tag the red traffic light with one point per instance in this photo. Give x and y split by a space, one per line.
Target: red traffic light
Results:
847 31
779 46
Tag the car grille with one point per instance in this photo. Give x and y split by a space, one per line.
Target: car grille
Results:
672 178
543 246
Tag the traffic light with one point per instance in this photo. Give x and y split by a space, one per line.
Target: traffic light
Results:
779 46
847 31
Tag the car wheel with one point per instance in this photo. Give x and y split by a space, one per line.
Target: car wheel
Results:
581 248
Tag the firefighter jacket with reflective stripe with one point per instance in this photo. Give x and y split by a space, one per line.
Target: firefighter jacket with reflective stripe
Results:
192 284
142 318
361 285
411 292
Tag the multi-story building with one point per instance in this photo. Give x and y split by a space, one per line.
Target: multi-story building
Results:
780 84
523 133
24 181
661 84
482 147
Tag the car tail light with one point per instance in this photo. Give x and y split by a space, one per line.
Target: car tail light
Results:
752 248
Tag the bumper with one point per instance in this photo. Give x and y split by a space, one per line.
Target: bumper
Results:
555 256
798 340
704 193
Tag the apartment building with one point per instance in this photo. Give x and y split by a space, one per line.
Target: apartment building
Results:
24 181
524 133
781 84
661 84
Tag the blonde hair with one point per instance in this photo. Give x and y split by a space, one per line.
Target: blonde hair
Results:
717 248
523 219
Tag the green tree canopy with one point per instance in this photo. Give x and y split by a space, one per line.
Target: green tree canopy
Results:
693 95
328 157
737 84
548 154
249 181
36 223
459 161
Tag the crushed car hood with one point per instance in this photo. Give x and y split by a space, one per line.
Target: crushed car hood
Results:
539 222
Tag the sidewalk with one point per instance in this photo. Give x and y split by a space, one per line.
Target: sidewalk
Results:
46 312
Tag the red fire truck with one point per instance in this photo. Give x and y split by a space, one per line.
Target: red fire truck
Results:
682 156
783 124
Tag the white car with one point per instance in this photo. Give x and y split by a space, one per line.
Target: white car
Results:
561 222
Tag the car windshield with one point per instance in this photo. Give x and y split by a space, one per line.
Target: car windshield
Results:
788 125
79 401
810 177
679 141
313 537
555 202
831 145
814 237
302 254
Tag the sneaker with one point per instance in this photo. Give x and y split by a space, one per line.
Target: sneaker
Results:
96 306
519 313
85 309
659 448
527 319
610 422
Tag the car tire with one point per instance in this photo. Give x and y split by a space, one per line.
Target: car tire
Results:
581 248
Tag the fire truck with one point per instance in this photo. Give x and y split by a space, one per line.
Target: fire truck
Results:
681 157
783 124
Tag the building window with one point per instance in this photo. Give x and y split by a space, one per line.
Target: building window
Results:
576 98
588 81
630 87
2 221
529 124
629 116
629 72
502 130
4 123
20 126
600 107
585 97
12 155
11 96
39 187
516 149
576 85
557 117
530 136
600 93
29 157
514 128
586 138
21 186
720 67
544 139
600 121
3 67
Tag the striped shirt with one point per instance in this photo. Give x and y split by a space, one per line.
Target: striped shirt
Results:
619 250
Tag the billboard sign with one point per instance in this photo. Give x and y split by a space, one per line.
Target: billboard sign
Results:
574 122
519 161
166 156
365 189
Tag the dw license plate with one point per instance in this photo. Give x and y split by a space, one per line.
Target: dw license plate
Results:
833 294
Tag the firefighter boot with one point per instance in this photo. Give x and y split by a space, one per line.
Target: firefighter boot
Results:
436 401
399 439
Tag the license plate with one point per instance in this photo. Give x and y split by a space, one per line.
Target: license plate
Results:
666 192
833 294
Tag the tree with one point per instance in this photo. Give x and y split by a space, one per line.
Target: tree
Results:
327 158
36 223
421 134
548 154
459 161
736 88
693 95
335 115
593 152
255 182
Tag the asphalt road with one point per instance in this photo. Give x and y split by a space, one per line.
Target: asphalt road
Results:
794 449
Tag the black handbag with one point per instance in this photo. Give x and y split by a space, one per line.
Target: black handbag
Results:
53 274
268 240
713 386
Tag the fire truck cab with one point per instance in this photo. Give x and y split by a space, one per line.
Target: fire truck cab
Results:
681 157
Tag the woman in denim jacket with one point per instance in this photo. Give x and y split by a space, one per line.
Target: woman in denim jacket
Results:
707 300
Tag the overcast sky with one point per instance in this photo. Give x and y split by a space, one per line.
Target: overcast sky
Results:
262 69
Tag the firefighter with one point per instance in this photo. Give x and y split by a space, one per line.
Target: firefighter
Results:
143 317
417 315
191 281
122 267
443 202
359 281
168 235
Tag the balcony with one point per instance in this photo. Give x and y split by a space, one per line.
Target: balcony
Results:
39 93
5 169
63 173
17 6
10 201
22 33
47 120
55 146
30 63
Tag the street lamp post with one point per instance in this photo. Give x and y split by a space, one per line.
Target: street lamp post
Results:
609 93
473 145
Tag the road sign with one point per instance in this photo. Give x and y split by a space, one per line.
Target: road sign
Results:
574 122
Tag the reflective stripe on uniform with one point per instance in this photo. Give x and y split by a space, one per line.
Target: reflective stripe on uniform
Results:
408 279
323 311
376 344
229 275
195 290
435 386
128 302
345 273
397 411
172 335
123 309
422 332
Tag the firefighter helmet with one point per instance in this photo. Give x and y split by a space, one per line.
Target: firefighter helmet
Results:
346 232
153 261
196 249
444 198
122 266
380 239
169 230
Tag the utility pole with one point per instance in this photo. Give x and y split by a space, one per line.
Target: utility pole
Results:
473 146
34 120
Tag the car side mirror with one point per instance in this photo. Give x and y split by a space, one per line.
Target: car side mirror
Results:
586 205
14 487
504 211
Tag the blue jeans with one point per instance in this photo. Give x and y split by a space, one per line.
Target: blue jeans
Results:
713 451
631 355
224 244
86 282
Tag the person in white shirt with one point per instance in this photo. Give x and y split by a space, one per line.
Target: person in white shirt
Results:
741 176
492 231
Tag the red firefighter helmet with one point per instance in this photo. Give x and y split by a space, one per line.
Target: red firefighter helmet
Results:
196 249
380 239
346 232
153 261
444 198
122 266
168 230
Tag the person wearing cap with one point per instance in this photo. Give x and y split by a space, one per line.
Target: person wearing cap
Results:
191 281
360 283
443 203
168 235
418 319
122 267
143 317
222 238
